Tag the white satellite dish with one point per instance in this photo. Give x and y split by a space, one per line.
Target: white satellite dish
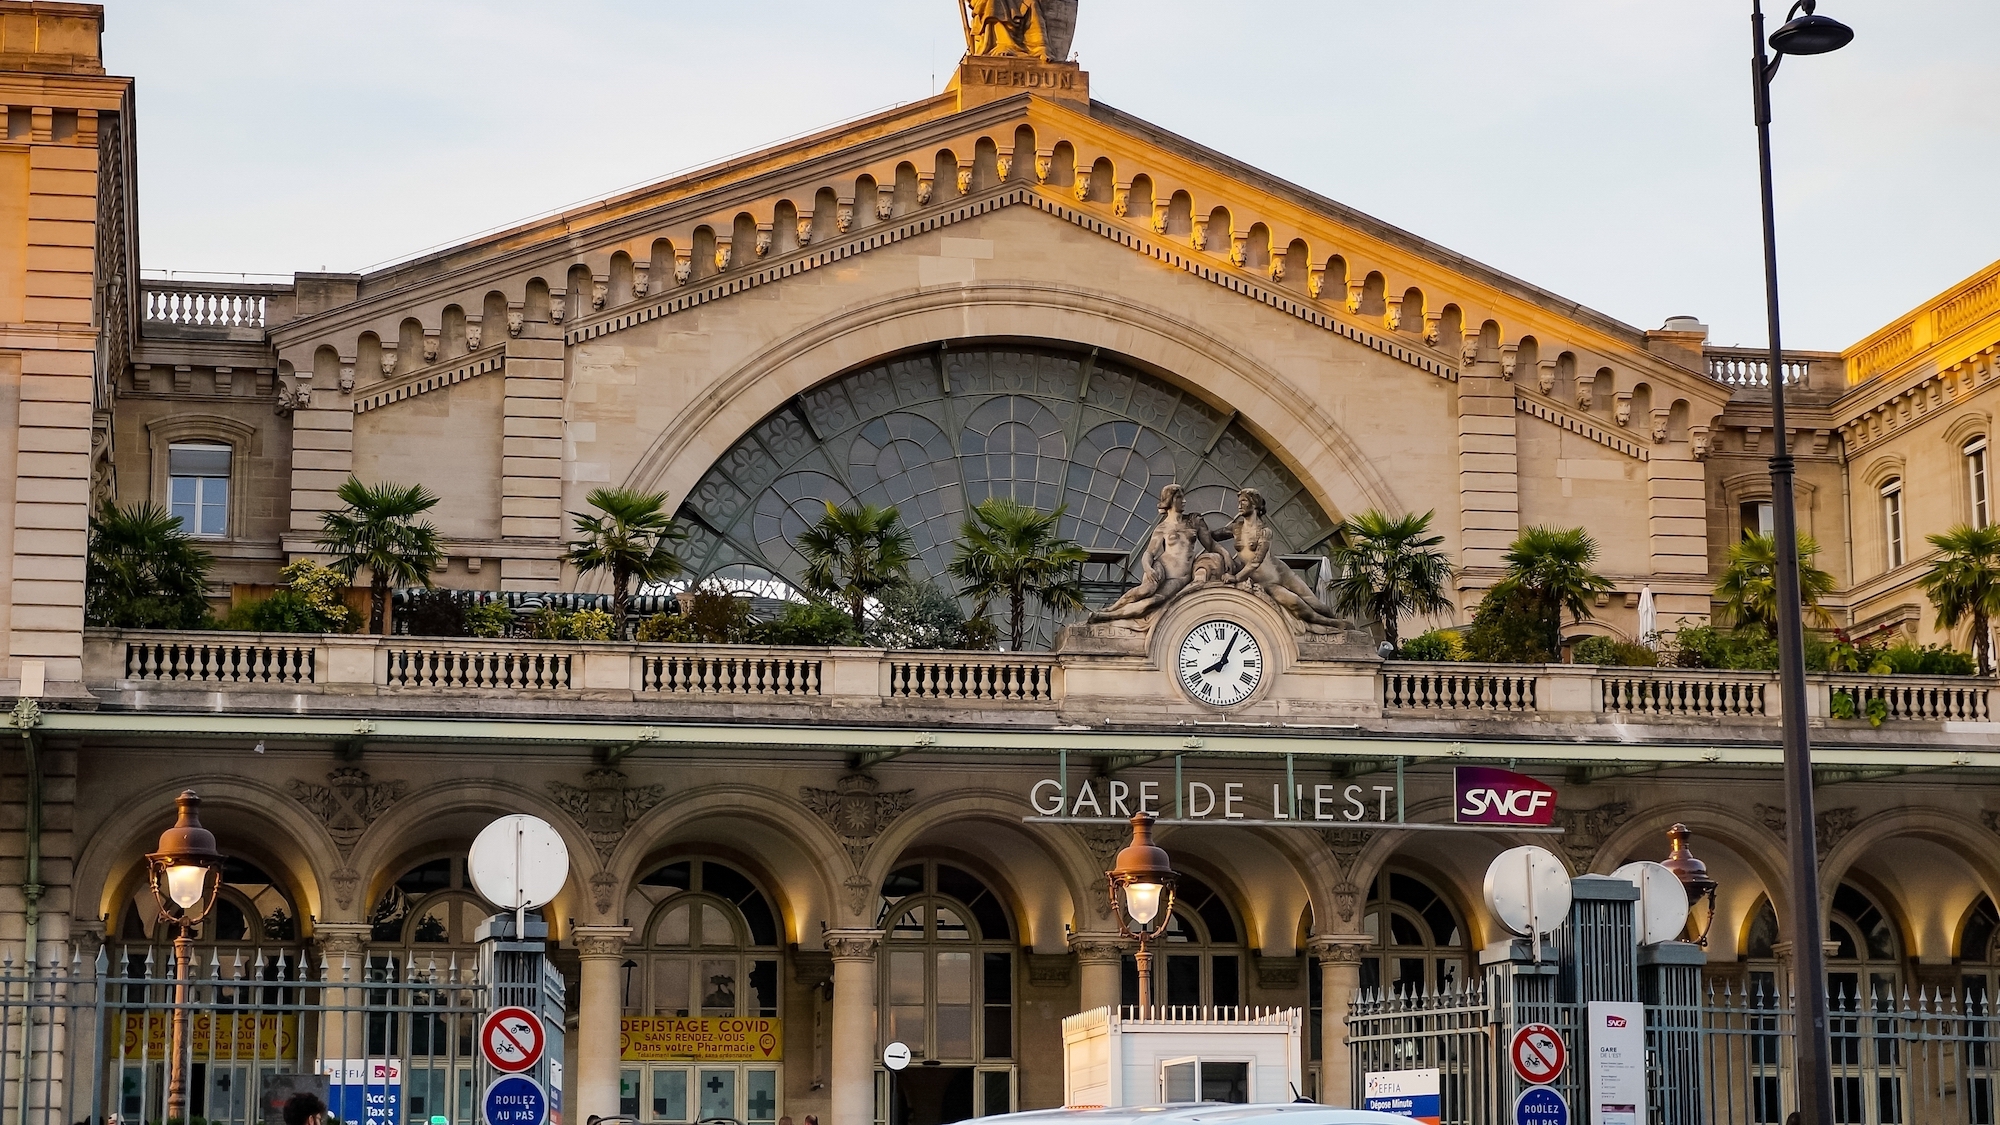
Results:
1663 903
518 862
1527 888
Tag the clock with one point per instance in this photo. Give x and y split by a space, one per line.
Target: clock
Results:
1220 664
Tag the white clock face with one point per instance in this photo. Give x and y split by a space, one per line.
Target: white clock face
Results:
1220 664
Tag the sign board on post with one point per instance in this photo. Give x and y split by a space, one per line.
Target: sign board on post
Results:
364 1091
515 1100
511 1040
1404 1093
1539 1105
1617 1063
1538 1054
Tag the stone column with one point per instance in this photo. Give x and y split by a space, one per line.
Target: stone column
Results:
1097 959
600 1006
854 1031
1339 979
343 1035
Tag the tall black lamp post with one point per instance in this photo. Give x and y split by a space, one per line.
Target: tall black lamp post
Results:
186 873
1804 33
1141 884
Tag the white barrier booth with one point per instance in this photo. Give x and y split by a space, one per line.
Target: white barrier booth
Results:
1247 1055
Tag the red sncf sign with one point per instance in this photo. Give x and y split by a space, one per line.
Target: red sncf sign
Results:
1486 795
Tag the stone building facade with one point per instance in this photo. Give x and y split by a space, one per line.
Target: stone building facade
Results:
1005 289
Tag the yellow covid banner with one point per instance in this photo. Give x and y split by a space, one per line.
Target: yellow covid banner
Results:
214 1035
702 1038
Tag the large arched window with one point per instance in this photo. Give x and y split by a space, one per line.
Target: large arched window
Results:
707 949
947 977
1200 959
936 431
1417 943
424 929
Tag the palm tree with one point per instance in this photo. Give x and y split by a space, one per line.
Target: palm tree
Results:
379 530
144 571
633 539
1749 585
1390 566
1964 582
855 553
1551 568
1011 550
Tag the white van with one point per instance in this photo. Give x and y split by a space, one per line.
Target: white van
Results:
1205 1113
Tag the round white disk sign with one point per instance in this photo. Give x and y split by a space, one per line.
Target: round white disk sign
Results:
518 862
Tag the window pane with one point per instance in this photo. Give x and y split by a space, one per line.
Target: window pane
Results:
950 925
628 1092
910 924
214 507
1224 985
198 461
1178 1082
1184 981
718 988
906 997
763 988
999 1093
1225 1082
673 929
954 1005
997 987
761 1102
670 986
715 927
670 1095
718 1093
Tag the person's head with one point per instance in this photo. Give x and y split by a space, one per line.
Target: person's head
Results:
1250 500
304 1108
1170 498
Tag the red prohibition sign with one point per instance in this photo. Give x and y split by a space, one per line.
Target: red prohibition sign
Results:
511 1039
1539 1053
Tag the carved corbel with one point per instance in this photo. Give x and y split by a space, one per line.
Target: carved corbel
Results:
1239 247
843 220
1698 442
722 254
1079 185
293 399
514 320
885 205
964 177
763 239
805 230
1198 233
600 288
1586 387
388 358
347 373
1659 427
472 333
1160 208
1045 163
1316 281
1468 348
1509 355
1545 375
1431 332
558 305
642 278
1277 267
926 184
1003 163
1355 289
1621 408
430 347
1121 199
1392 313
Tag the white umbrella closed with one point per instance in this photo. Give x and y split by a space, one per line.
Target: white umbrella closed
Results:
1649 627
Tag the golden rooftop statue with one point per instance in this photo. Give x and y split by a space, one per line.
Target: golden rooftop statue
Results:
1032 29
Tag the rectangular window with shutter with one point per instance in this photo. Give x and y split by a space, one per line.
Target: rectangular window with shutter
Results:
198 488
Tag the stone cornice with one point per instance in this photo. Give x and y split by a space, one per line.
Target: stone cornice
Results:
435 377
1556 414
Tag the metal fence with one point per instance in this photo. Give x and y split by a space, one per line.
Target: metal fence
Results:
1723 1057
90 1042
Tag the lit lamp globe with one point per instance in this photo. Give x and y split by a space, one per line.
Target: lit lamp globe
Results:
1142 876
187 870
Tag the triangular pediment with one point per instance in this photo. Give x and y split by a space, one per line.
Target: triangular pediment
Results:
840 196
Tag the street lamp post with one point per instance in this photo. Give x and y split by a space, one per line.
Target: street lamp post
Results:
1146 879
185 873
1804 33
1694 878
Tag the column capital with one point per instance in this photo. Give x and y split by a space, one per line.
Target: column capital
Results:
853 945
1100 948
341 939
1343 949
600 941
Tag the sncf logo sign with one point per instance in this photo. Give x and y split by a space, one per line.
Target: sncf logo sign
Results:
1495 796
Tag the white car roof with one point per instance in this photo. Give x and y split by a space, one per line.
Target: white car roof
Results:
1207 1113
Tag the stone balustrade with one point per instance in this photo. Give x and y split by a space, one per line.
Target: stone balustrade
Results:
142 669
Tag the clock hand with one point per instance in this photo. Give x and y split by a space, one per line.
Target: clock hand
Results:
1220 664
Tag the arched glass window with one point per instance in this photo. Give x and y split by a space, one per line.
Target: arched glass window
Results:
707 948
1418 945
251 909
947 978
1975 473
1199 961
423 931
1892 520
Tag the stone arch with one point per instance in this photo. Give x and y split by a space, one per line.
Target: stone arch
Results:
1971 843
1289 422
1745 839
296 848
1882 469
1270 918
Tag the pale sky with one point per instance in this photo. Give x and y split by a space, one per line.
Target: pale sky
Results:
1601 149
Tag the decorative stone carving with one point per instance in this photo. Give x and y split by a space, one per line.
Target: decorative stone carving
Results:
642 279
1160 208
339 941
1829 827
812 968
290 399
806 225
345 882
347 375
1392 315
853 945
1121 200
598 291
844 220
1239 248
1003 163
1698 442
763 241
684 265
885 205
926 185
1585 830
1045 163
1509 355
1080 186
472 334
558 306
1260 571
722 252
430 349
1621 408
605 806
1316 283
1345 949
1102 949
1009 28
857 894
1586 385
1545 376
1991 819
1346 844
602 941
1431 331
1279 972
1659 427
857 810
1198 233
1346 896
1277 269
1104 842
515 318
349 802
603 891
1468 348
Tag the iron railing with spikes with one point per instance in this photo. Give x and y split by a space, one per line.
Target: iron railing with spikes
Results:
92 1040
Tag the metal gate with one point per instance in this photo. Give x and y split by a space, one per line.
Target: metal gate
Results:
84 1043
